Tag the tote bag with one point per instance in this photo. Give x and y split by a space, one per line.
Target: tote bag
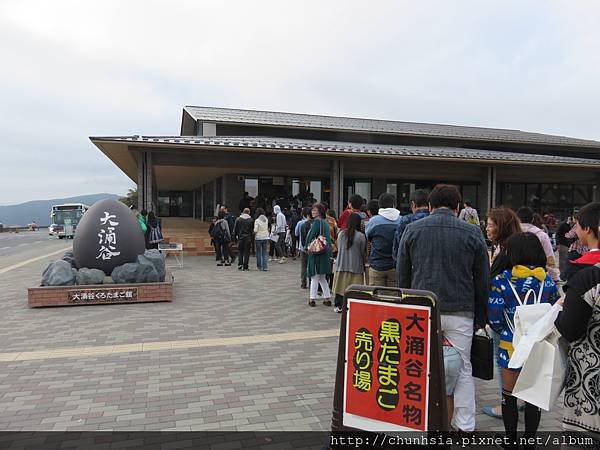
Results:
542 377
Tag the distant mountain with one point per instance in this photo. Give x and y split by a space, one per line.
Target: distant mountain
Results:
39 210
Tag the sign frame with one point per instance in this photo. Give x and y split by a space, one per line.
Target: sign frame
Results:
436 417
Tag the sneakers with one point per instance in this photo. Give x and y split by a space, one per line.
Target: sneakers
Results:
327 302
227 264
337 309
312 303
220 264
282 260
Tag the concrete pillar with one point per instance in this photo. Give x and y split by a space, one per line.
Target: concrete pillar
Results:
202 203
334 180
487 196
145 182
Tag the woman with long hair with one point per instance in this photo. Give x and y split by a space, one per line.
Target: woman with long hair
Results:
350 262
502 223
319 263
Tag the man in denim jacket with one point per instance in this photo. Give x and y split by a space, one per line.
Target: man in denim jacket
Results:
419 207
447 256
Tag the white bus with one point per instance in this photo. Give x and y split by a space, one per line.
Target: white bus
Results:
65 218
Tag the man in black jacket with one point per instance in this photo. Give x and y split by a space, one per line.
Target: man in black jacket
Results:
242 233
448 256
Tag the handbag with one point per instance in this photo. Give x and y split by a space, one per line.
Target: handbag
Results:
482 356
319 244
542 377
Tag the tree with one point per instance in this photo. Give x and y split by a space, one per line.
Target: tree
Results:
131 198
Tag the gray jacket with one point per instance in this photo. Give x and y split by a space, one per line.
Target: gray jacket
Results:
447 256
351 259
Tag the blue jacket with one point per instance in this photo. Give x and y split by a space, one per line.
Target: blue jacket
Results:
404 221
380 232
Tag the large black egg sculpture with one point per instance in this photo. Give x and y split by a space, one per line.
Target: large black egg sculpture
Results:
108 235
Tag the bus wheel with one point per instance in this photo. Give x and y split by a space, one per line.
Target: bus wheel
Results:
61 237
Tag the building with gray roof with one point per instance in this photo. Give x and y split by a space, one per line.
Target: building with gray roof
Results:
222 153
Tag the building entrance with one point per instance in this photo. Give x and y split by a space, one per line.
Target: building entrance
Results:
286 191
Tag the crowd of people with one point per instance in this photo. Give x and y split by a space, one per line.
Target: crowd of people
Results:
479 276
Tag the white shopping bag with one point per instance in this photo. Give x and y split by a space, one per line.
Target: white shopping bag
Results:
534 323
542 378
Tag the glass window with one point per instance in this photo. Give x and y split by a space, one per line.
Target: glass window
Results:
565 200
549 198
251 186
392 188
533 197
513 195
163 205
363 188
295 187
582 195
315 188
209 206
469 192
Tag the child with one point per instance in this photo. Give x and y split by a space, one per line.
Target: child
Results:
586 228
525 282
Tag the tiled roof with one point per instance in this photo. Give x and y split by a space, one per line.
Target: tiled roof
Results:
277 145
309 121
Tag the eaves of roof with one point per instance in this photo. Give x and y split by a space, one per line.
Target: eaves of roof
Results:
297 146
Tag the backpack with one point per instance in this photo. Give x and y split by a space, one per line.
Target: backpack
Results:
470 218
156 235
219 233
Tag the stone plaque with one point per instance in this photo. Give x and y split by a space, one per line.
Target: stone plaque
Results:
105 295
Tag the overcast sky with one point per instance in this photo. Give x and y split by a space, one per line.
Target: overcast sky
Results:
73 69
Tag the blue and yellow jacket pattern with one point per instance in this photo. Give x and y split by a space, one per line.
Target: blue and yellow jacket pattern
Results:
502 299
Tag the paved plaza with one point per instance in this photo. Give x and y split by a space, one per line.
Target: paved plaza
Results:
234 351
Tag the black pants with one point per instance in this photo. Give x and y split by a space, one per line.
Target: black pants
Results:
280 246
303 268
222 250
244 252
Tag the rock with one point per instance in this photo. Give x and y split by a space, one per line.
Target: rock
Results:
70 258
58 273
90 276
108 235
157 259
108 280
134 273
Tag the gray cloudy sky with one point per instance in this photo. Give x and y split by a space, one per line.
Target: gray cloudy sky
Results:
74 69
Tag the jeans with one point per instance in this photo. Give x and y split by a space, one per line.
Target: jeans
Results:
261 254
244 252
459 331
223 250
317 280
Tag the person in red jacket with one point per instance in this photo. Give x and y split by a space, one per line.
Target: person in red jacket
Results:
354 204
586 229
